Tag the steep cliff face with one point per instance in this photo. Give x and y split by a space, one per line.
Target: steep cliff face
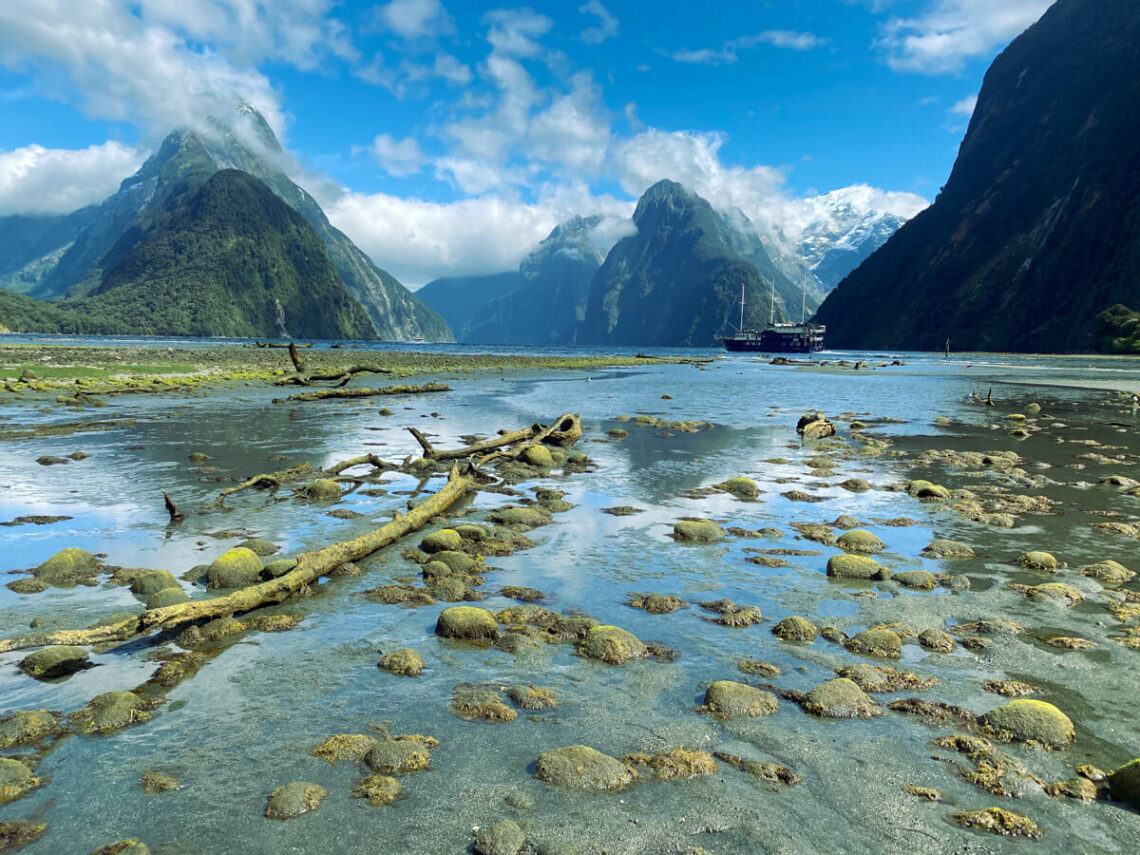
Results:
80 258
1038 229
678 280
543 303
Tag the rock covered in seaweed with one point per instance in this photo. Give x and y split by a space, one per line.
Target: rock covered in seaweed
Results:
1027 720
53 662
581 767
697 531
729 699
467 623
612 645
675 763
294 799
502 838
112 711
404 662
235 568
408 753
839 698
69 566
849 566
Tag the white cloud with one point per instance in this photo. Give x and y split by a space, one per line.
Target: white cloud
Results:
168 63
38 180
419 240
515 32
416 19
965 107
397 157
606 27
729 52
950 32
572 131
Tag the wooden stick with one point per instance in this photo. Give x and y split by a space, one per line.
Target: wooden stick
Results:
327 394
298 364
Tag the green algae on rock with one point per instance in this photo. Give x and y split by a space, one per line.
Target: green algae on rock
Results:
1034 721
581 767
531 697
502 838
729 699
16 780
674 764
848 566
656 604
407 753
612 645
467 623
294 799
235 568
741 487
1124 784
404 662
884 643
378 790
444 539
154 782
28 728
480 703
860 541
839 698
998 821
112 711
880 678
344 746
69 566
1039 561
942 548
130 846
697 531
796 629
52 662
321 490
918 580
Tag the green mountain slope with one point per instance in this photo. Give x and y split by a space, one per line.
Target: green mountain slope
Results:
1037 231
678 280
227 258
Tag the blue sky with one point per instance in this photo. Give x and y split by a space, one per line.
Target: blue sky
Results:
447 137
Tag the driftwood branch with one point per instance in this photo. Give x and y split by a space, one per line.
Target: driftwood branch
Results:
310 567
327 394
298 363
176 514
363 460
341 377
565 430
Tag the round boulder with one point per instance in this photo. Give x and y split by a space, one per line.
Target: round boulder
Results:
1027 720
729 699
446 539
697 531
861 541
856 567
840 698
580 767
235 568
54 662
294 799
612 645
467 623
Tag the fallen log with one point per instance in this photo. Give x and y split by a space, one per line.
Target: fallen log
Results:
363 460
328 394
342 376
298 363
310 567
566 430
282 346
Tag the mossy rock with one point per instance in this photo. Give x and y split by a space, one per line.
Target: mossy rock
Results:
502 838
741 487
1027 720
1039 561
52 662
1109 572
111 711
943 548
697 531
167 597
656 604
411 753
16 780
154 783
729 699
676 764
539 456
28 728
405 662
458 562
28 585
130 846
151 582
796 629
612 645
235 568
260 547
928 492
1124 784
848 566
279 567
860 541
321 490
580 767
467 623
840 698
531 697
520 516
479 703
450 589
918 580
19 832
881 679
447 539
1052 592
884 643
378 790
937 640
855 485
998 821
69 566
345 746
294 799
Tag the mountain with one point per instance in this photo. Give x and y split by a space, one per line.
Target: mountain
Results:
848 225
225 257
543 303
677 281
31 246
75 262
1037 230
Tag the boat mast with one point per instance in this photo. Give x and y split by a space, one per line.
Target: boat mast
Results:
803 304
772 305
742 305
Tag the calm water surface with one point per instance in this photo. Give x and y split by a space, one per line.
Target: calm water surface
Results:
246 723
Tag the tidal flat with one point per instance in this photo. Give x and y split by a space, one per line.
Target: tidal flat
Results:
705 624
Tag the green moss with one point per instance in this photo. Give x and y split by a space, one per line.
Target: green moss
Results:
919 580
855 567
675 764
1038 561
840 698
378 790
883 643
259 547
729 699
322 490
52 662
1028 720
860 541
741 487
612 645
538 455
130 846
235 568
531 697
167 597
936 640
409 753
111 711
479 703
998 821
154 783
405 662
656 604
446 539
1109 572
153 581
68 567
345 746
294 799
28 727
580 767
879 678
511 515
467 623
697 531
796 629
1124 784
942 548
16 780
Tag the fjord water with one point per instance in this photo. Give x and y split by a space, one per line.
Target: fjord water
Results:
246 722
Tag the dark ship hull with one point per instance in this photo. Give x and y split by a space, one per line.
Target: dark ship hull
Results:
777 338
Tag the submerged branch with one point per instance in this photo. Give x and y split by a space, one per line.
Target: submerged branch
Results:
327 394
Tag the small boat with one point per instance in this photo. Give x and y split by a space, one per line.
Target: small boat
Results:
776 337
418 339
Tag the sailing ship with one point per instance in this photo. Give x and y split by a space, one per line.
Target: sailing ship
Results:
776 337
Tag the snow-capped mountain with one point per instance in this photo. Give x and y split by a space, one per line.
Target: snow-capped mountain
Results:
845 226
